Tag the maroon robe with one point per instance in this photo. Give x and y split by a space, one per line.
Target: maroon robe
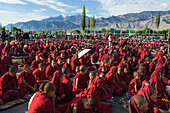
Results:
34 64
50 71
68 87
39 75
41 103
29 79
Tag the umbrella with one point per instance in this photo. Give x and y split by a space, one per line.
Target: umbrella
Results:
14 41
83 52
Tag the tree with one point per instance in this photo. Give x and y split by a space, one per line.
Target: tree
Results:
158 20
94 22
88 23
83 22
91 23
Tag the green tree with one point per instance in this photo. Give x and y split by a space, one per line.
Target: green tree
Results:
94 22
91 23
88 23
158 20
83 22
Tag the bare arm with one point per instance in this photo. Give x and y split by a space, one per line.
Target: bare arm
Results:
75 109
77 83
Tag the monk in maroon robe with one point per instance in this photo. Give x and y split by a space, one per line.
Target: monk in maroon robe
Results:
74 62
44 101
51 69
135 84
67 84
34 64
26 79
138 104
9 86
80 105
39 74
80 81
7 61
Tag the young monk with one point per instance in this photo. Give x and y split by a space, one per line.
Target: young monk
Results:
104 68
26 79
44 101
39 74
135 84
156 82
80 80
9 86
120 79
7 61
74 62
67 84
92 75
138 104
34 64
68 64
149 92
152 65
51 69
80 105
57 81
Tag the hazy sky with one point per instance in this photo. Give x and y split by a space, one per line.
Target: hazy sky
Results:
12 11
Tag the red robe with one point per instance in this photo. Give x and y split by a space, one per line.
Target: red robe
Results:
82 84
1 68
68 87
110 83
7 82
133 106
56 80
29 79
77 102
6 60
146 93
41 103
50 71
74 64
34 64
39 75
131 88
157 83
8 88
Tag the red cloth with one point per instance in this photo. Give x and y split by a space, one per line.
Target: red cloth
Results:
110 83
157 83
1 68
39 75
41 103
74 64
131 88
133 106
50 71
77 102
146 93
34 64
6 60
56 80
68 88
28 78
7 82
82 81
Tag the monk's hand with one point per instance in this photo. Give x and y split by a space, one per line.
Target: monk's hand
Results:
63 96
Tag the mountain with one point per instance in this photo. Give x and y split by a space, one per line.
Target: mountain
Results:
127 21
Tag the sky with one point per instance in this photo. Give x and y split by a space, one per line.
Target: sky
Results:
12 11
